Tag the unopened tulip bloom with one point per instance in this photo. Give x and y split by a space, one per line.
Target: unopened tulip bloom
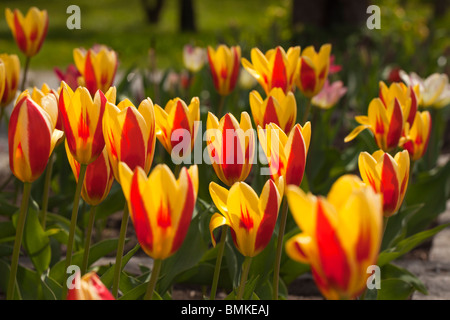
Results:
175 124
277 107
386 124
97 66
432 89
329 95
286 153
417 137
231 146
313 70
224 63
341 235
251 218
91 288
32 135
275 69
82 120
12 73
130 134
194 58
29 31
387 175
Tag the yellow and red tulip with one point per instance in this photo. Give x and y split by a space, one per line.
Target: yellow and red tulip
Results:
32 135
251 218
286 154
417 137
387 175
82 118
98 178
313 70
341 235
37 95
386 124
275 69
12 73
97 66
231 146
329 95
277 107
30 30
224 63
160 206
176 123
91 288
130 134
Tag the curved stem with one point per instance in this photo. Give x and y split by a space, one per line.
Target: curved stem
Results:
47 179
220 251
25 73
87 242
119 253
73 224
18 240
244 276
153 279
276 268
221 104
307 111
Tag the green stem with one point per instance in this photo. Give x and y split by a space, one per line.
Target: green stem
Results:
87 242
153 279
276 268
25 73
244 276
221 104
47 179
18 240
307 111
73 224
221 249
119 253
385 222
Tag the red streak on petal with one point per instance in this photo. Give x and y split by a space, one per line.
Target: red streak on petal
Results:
279 77
97 178
246 220
307 77
83 128
100 288
413 109
140 216
89 75
364 243
270 114
20 36
180 122
322 73
389 185
232 157
132 144
395 126
295 166
379 127
163 217
269 219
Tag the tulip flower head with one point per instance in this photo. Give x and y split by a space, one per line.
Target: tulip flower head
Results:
341 235
231 146
175 125
82 118
329 95
386 124
11 65
417 137
194 58
387 175
130 134
313 70
160 206
37 95
70 76
225 66
434 90
97 66
286 153
32 135
251 218
90 288
275 69
278 108
30 30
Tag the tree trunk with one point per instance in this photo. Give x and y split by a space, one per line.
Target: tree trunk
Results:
152 9
187 15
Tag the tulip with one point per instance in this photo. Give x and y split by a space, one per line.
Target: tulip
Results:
387 175
329 95
405 96
275 69
341 235
313 70
175 124
130 134
333 68
70 76
97 66
433 89
444 98
278 108
417 137
231 146
386 124
11 81
224 65
37 95
91 288
29 31
286 154
161 210
194 58
82 120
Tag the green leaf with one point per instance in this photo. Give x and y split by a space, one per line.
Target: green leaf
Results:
113 203
392 271
394 289
108 277
52 290
28 280
4 279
